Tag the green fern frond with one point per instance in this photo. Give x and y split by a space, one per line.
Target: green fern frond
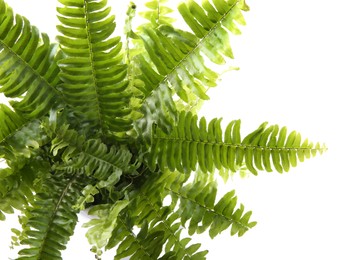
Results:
148 206
27 65
50 221
193 143
94 78
144 245
158 227
177 63
197 205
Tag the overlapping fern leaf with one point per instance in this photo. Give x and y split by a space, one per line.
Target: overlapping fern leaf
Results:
94 78
90 157
155 219
27 67
144 227
19 148
194 143
177 58
49 222
150 228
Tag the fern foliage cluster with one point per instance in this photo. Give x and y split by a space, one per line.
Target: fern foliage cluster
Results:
109 124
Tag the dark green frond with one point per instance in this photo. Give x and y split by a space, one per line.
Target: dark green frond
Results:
177 58
50 221
159 226
27 65
194 143
94 78
192 203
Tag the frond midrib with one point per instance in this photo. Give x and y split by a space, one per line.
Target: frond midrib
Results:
158 12
53 215
199 44
91 54
25 63
242 146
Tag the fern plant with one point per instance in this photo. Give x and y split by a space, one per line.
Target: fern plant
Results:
108 124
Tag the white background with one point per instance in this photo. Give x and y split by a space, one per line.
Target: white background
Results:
296 60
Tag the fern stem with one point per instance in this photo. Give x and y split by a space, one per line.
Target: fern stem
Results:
91 59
